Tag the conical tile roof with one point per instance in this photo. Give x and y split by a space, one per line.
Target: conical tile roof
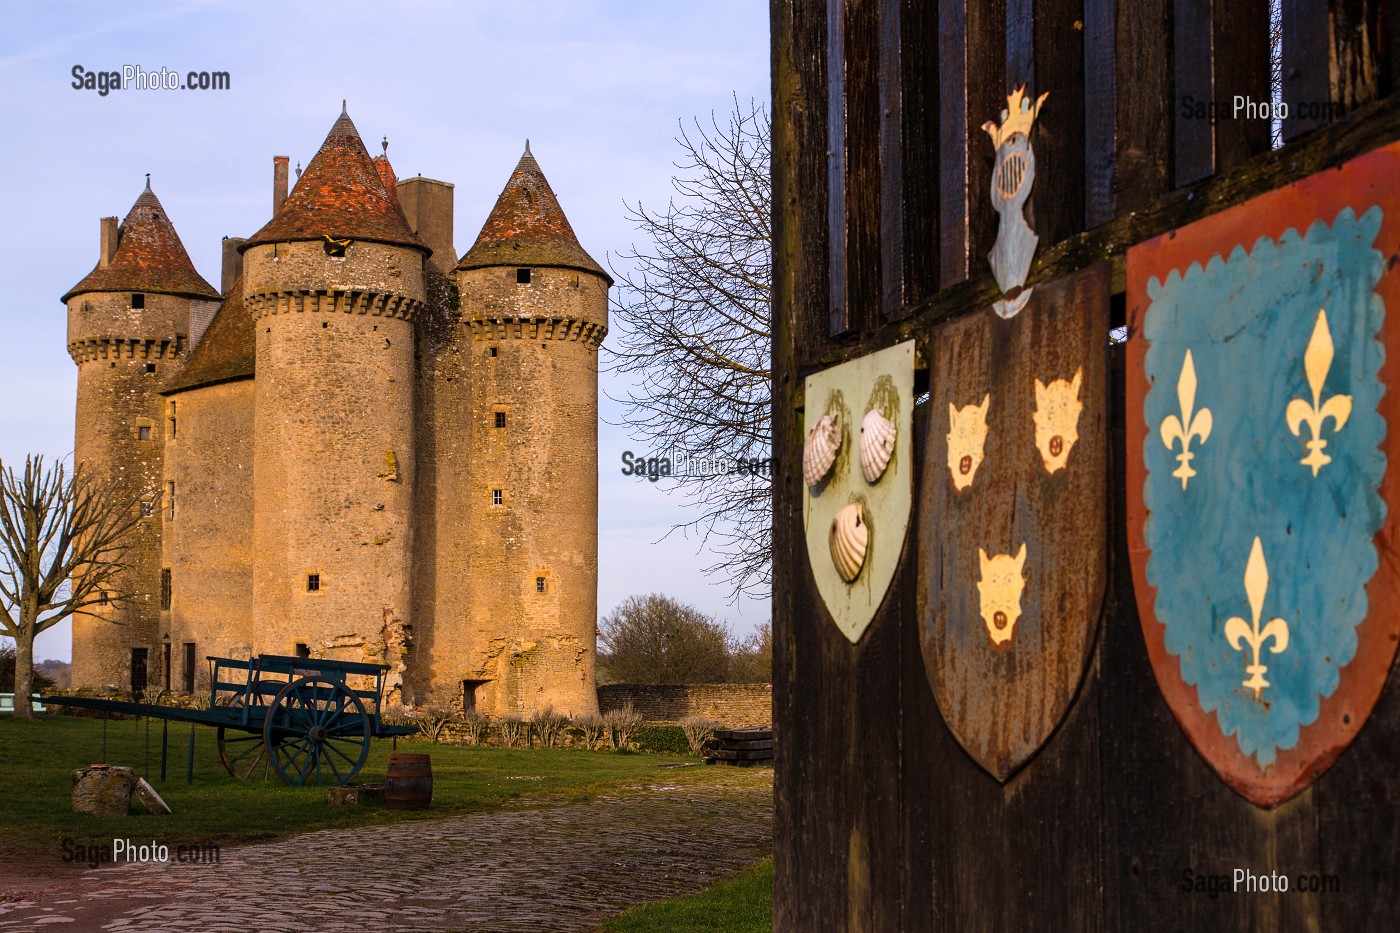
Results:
340 194
149 257
527 227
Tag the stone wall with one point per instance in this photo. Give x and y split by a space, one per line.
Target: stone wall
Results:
123 354
732 705
507 591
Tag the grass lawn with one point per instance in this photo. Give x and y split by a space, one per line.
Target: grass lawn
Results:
742 904
38 757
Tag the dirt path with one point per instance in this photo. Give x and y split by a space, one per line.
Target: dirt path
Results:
556 867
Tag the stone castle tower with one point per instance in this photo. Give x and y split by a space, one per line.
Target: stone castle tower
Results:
365 448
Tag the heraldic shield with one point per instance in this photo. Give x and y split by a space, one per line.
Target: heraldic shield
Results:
1262 447
857 471
1014 516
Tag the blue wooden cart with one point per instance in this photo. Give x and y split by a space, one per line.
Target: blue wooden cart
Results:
307 719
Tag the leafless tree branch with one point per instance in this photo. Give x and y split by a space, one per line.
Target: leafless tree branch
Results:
696 331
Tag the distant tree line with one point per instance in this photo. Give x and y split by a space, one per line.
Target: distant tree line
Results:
654 639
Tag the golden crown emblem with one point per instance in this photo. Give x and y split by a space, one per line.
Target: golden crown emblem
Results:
1018 117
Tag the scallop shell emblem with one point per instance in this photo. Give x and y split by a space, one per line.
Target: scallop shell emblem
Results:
877 434
819 453
849 538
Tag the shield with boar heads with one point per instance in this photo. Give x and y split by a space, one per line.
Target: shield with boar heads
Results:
858 473
1262 440
1013 523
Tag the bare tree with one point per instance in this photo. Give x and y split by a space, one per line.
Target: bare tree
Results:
64 542
753 657
656 640
697 331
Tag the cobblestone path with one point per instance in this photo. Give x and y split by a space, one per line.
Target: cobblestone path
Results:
541 866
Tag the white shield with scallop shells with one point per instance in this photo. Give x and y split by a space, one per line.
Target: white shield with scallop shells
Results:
857 493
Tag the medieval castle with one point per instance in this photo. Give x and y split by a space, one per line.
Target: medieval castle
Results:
365 448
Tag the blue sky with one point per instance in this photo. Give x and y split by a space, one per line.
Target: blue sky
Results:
598 89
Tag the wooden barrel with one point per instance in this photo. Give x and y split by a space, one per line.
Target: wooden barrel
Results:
409 782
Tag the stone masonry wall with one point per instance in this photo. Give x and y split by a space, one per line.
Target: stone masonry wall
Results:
524 354
731 705
123 355
334 449
209 541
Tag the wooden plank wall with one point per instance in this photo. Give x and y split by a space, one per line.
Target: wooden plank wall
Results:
882 225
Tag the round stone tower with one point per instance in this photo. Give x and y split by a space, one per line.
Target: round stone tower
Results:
516 433
129 324
334 282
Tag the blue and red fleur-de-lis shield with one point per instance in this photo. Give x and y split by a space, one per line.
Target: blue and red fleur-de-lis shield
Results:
1263 435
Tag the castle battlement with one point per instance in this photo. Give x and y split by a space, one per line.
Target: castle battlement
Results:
123 348
333 301
590 333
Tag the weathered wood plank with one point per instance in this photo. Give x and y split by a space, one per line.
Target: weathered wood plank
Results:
1056 206
1306 84
854 121
800 325
892 152
837 146
1100 32
1241 64
1143 85
909 154
1360 53
971 77
1194 92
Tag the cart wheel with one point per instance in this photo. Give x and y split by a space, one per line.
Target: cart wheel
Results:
316 727
242 753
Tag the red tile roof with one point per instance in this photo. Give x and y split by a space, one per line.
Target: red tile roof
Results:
527 227
149 257
341 194
387 177
226 351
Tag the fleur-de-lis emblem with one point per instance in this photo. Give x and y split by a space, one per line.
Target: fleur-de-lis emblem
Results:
1189 425
1316 362
1237 631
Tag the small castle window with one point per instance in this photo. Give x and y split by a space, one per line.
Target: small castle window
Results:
102 598
150 367
165 589
143 433
165 661
313 583
138 301
539 585
302 649
138 670
171 487
500 419
494 351
172 420
148 508
189 667
522 276
498 496
573 280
